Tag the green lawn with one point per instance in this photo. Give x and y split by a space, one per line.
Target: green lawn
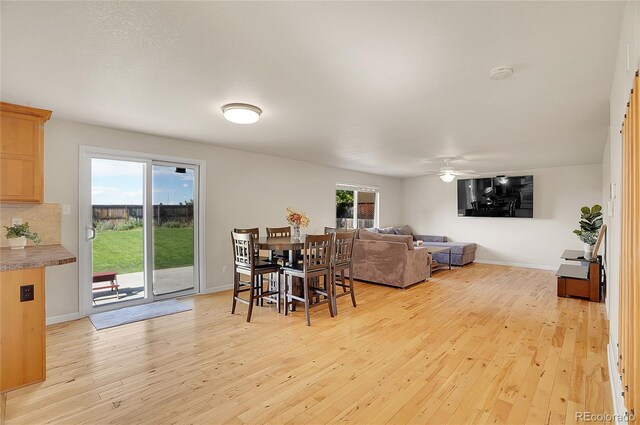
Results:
121 251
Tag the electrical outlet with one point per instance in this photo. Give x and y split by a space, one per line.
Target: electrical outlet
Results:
224 269
15 221
26 293
66 209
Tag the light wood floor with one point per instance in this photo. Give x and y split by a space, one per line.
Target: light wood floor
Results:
482 344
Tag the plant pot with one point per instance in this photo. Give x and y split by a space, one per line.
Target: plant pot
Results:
588 250
17 243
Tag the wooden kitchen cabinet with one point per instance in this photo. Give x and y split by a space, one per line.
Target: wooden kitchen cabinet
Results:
22 153
22 329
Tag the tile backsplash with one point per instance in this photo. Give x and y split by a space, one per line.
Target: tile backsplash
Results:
44 219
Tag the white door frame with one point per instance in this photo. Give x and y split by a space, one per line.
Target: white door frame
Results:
355 188
86 152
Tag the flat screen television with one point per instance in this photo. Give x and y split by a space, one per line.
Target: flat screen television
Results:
500 196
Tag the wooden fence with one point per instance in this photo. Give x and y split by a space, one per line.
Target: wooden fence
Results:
161 213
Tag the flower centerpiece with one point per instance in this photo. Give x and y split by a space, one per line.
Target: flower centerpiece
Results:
590 224
296 220
18 234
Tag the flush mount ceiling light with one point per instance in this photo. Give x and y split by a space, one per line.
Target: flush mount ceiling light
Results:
241 113
500 73
502 179
447 176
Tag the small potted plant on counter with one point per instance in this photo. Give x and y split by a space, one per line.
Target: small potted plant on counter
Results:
18 234
590 224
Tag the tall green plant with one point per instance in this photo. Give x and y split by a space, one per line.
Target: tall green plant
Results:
590 224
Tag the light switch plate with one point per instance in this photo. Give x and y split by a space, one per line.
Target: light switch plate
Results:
66 209
15 221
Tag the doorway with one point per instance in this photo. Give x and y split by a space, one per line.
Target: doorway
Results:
140 228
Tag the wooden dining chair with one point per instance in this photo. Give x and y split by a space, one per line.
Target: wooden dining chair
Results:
343 260
246 262
316 263
279 232
255 232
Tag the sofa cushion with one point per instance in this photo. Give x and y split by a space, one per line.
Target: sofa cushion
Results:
386 231
366 229
430 238
457 247
399 238
366 235
403 230
456 259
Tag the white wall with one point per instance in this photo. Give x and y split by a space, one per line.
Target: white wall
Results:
243 190
430 207
627 63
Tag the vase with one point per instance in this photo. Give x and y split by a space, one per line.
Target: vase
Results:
17 243
295 233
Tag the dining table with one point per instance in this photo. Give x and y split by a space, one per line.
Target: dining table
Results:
287 244
284 243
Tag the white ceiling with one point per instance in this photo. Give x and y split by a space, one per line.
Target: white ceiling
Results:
376 87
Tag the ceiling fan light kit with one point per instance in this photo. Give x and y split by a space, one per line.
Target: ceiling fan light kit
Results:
447 176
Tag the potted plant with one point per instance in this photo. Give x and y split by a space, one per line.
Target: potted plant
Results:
18 234
590 224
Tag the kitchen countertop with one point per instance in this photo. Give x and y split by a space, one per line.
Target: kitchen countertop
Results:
33 257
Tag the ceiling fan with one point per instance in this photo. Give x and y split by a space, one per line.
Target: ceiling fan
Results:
447 173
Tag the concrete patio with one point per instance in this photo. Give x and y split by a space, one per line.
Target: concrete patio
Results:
165 281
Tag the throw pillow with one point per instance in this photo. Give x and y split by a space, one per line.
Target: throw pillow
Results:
403 230
368 236
386 231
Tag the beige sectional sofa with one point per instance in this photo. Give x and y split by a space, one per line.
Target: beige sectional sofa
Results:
389 259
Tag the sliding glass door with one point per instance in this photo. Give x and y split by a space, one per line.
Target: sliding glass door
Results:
173 228
139 231
117 234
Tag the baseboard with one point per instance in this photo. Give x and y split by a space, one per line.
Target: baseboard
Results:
525 265
75 316
619 411
63 318
216 289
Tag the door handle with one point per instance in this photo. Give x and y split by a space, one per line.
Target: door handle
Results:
93 233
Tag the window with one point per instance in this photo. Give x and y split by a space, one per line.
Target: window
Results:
356 206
